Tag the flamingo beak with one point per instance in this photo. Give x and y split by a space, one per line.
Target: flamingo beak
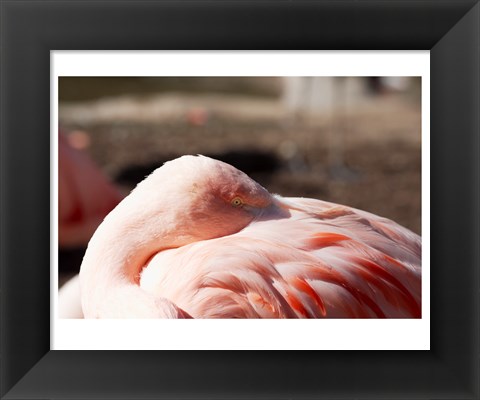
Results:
276 210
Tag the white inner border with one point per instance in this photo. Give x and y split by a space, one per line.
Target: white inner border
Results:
346 334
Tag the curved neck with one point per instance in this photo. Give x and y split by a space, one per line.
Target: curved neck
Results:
112 265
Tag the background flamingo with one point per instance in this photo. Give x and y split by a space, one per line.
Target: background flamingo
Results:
85 196
198 238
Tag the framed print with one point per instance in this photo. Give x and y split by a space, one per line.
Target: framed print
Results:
36 35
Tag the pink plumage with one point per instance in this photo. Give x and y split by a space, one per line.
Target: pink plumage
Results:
200 239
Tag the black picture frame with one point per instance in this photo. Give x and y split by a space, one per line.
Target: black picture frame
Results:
31 29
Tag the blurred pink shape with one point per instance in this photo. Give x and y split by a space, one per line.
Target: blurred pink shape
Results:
197 116
85 196
79 139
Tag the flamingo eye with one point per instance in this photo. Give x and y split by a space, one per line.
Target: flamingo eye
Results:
237 202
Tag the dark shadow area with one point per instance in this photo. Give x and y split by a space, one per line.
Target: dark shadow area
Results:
255 163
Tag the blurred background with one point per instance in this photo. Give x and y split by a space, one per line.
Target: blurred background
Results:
349 140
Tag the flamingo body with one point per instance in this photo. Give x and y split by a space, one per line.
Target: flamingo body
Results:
69 305
215 244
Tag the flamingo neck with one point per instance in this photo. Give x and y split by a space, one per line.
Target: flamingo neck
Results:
112 265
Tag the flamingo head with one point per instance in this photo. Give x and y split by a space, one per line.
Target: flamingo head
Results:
196 198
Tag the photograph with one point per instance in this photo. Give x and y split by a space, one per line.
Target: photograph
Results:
239 197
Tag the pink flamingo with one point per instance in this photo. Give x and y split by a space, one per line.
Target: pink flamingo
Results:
199 238
85 196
